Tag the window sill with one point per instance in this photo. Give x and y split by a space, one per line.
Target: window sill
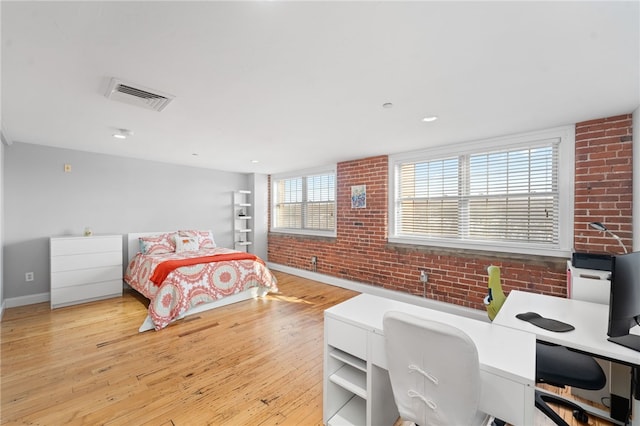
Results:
555 263
507 248
303 237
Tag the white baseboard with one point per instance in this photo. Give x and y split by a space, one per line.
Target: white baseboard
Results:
2 309
326 279
13 302
383 292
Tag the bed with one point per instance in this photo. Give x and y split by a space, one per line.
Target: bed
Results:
184 272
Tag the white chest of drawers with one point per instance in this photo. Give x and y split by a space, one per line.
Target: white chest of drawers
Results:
85 269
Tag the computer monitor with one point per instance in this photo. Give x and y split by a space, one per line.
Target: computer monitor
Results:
624 303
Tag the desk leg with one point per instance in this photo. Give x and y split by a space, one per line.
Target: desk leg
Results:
381 402
627 382
635 405
620 387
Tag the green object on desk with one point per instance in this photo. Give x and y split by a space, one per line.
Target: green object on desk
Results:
495 299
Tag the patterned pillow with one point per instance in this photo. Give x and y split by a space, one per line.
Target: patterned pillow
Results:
205 238
157 244
186 244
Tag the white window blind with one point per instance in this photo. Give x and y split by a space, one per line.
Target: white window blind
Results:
305 203
498 196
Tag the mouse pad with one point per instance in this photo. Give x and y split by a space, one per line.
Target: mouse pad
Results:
546 323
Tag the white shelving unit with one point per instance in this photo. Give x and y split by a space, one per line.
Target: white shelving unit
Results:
346 383
242 208
356 392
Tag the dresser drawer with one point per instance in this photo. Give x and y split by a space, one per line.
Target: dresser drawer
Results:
85 276
71 295
85 261
75 245
346 337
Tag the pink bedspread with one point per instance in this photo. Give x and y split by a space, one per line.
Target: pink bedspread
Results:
189 286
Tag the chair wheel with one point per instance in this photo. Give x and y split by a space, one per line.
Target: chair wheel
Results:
580 416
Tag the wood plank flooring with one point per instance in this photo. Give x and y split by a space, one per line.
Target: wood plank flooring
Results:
257 362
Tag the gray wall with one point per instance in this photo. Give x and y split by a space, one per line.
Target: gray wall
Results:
112 195
259 186
1 225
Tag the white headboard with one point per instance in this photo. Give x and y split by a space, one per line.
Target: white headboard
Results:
133 244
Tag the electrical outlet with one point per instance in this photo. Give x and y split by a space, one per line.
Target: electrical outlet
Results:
28 277
314 260
424 277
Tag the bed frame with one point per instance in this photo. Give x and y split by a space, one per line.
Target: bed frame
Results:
133 247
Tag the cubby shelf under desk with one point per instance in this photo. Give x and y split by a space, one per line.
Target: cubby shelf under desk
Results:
354 356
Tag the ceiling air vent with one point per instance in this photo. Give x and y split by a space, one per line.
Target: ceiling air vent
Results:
134 94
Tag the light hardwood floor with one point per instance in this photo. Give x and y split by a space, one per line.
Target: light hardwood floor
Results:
257 362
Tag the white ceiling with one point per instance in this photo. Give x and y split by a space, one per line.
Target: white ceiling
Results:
301 84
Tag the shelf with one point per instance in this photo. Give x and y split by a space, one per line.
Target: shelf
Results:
353 361
353 413
241 207
351 379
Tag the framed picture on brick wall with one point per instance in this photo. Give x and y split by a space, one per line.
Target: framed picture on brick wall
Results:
359 196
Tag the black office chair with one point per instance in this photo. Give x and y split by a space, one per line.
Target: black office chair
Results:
559 366
555 365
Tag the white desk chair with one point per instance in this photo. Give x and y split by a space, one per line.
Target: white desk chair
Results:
434 371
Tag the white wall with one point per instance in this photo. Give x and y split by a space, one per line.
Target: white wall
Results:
1 200
112 195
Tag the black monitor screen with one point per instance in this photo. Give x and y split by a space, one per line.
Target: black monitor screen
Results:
624 303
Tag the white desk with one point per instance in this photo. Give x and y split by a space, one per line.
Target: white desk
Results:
356 383
589 319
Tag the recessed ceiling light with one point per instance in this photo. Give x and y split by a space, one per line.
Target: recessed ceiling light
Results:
387 105
122 133
430 118
255 161
195 154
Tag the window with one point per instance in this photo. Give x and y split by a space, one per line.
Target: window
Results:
305 203
507 194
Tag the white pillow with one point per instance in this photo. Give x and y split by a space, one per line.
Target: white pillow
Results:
187 244
205 238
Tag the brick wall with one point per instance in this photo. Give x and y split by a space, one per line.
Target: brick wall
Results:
603 184
360 251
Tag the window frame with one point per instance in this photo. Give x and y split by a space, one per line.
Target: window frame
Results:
304 174
566 172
